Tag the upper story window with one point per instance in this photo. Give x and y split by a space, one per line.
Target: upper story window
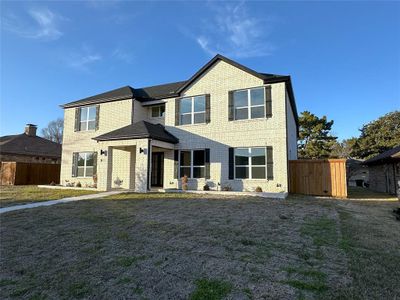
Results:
252 103
158 111
86 118
192 110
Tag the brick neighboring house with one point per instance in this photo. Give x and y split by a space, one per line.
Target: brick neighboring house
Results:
29 148
384 172
226 126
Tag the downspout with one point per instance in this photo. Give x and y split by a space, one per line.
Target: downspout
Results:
148 163
394 179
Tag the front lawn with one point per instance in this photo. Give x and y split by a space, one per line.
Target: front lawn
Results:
240 248
23 194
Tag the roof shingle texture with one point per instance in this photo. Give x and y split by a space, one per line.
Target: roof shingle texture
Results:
23 144
139 130
387 155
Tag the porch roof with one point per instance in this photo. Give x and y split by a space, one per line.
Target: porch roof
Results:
139 130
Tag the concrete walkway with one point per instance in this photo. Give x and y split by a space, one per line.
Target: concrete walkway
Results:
63 200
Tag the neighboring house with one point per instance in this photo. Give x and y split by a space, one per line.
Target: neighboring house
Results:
29 148
357 173
384 172
227 126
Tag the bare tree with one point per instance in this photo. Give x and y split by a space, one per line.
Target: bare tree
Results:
54 131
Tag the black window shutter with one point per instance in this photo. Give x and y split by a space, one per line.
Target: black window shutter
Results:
207 163
268 102
231 109
231 163
75 164
97 116
208 116
94 163
177 110
77 119
270 163
176 163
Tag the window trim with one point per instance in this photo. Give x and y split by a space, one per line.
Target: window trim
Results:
159 111
250 163
84 164
191 163
87 118
192 112
249 106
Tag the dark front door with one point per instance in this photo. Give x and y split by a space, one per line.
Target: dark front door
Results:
157 169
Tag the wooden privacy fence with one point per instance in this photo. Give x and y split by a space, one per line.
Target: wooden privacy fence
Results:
319 177
18 173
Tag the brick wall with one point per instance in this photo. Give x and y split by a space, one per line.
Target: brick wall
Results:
218 135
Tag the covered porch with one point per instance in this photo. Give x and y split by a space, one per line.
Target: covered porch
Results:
132 157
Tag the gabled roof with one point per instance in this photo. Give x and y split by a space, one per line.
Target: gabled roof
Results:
219 57
23 144
139 130
174 89
392 154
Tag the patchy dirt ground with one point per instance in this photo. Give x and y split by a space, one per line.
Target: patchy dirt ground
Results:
233 248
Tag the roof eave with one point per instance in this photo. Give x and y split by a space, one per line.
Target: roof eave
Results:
292 99
97 101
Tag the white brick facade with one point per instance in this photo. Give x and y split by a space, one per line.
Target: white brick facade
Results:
125 160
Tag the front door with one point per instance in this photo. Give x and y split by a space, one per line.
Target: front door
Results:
157 169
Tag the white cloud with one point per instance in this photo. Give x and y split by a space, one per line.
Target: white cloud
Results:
83 59
42 24
122 55
233 32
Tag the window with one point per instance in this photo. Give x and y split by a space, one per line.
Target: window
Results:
250 163
192 163
87 118
192 110
85 164
158 111
249 104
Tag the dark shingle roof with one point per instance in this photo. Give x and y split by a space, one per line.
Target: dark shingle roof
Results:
23 144
149 93
158 91
385 156
122 93
139 130
174 89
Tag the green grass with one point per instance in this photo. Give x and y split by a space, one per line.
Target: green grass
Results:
322 231
307 286
211 289
22 194
143 196
127 261
78 290
157 249
373 264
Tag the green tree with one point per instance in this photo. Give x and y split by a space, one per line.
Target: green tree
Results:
378 136
315 139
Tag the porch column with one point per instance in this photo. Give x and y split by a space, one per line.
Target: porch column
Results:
142 166
104 169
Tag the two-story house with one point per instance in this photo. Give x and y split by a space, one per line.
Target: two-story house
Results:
226 126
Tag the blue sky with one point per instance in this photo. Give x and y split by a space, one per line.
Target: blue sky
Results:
344 57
